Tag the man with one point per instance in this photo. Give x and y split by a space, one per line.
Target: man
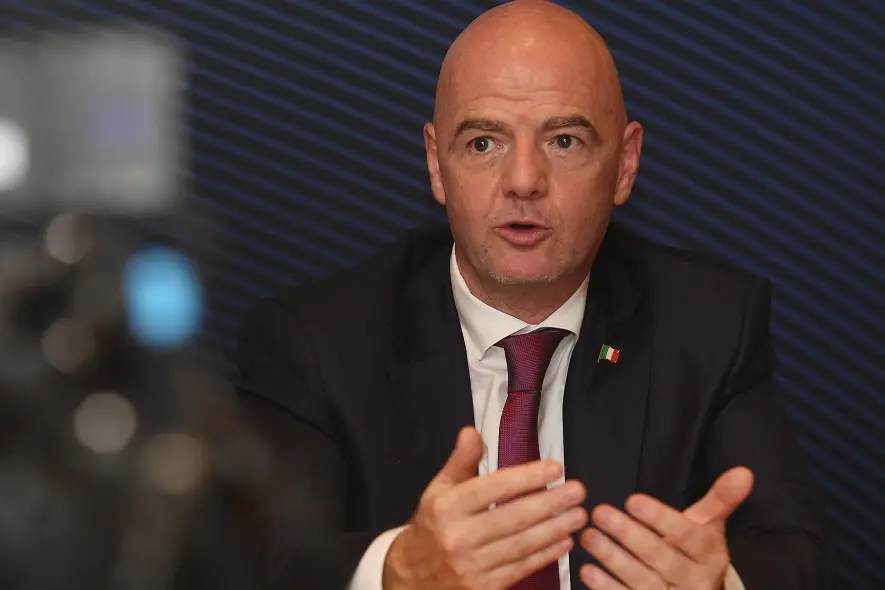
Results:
556 340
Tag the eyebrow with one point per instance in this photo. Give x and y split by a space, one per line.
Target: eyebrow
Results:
554 123
478 125
551 124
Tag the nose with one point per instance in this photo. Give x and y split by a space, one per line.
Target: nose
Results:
525 172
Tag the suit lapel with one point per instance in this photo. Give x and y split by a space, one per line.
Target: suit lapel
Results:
604 408
429 375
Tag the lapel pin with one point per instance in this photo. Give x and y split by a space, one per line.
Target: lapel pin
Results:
608 353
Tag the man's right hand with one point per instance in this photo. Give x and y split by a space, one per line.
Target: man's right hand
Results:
455 541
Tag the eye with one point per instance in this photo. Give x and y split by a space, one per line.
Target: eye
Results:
566 141
482 144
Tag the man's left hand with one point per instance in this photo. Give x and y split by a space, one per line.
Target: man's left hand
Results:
654 546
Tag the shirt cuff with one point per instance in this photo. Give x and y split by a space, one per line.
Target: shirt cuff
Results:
732 580
370 571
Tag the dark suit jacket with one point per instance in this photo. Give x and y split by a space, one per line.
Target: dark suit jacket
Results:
361 383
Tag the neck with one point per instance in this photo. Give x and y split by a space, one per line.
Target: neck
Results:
529 302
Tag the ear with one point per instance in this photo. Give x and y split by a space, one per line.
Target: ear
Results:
432 149
628 166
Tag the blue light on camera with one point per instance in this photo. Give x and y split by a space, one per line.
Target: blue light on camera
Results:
162 297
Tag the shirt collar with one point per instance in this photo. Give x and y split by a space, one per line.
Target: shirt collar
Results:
484 326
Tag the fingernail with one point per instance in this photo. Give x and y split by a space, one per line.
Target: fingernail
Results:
576 491
638 506
607 516
552 470
578 517
590 574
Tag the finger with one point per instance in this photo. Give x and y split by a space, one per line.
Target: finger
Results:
596 579
464 460
510 573
699 542
730 491
627 567
525 512
481 492
522 545
648 547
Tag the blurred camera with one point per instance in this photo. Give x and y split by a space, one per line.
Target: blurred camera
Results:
92 122
123 461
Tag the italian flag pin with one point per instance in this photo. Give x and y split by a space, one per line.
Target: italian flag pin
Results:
608 353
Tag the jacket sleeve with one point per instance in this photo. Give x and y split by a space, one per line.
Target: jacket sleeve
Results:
776 538
280 392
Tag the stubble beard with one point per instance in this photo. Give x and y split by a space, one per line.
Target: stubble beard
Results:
488 269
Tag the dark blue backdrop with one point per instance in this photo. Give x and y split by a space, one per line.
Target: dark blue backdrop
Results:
764 141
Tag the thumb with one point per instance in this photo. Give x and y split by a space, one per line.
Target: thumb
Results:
464 460
730 491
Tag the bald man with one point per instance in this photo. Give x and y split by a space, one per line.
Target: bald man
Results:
611 399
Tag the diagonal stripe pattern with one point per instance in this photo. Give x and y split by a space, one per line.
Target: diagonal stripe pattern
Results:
763 146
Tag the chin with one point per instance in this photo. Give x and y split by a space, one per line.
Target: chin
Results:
509 267
516 274
524 279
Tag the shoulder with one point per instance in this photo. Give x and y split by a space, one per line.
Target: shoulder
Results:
703 308
677 278
363 296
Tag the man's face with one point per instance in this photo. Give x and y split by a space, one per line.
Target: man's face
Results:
526 157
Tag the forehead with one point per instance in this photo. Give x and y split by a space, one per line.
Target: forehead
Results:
527 81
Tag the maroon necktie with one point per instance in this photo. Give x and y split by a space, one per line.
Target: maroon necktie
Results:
528 356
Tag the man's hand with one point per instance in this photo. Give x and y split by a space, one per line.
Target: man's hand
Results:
660 547
455 541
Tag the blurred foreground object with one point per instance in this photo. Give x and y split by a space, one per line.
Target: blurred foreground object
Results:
91 122
123 461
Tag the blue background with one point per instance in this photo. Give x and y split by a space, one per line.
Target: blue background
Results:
764 145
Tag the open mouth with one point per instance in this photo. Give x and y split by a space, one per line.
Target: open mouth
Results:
523 233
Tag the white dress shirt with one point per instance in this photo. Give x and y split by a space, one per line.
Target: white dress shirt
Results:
483 326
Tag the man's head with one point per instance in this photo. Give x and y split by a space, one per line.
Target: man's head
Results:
529 131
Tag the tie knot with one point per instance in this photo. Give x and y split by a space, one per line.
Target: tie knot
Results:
528 356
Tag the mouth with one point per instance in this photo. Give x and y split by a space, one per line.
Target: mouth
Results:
523 233
522 224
